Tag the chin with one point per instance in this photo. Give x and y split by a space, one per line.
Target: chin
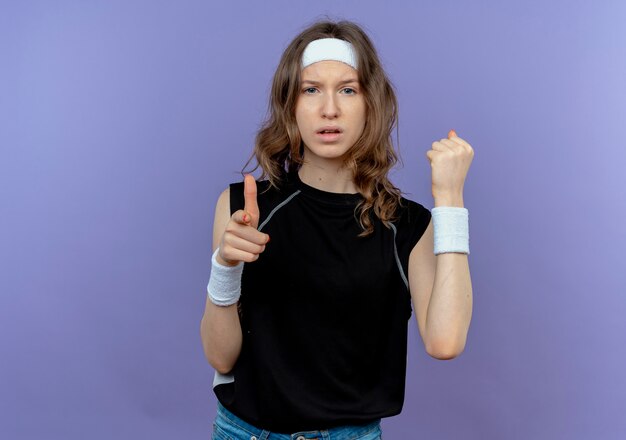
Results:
326 150
328 155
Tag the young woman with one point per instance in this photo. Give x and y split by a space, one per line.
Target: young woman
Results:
317 265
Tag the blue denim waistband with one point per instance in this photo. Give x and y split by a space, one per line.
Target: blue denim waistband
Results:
261 434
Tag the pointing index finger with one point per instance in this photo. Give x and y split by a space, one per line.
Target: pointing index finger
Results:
250 199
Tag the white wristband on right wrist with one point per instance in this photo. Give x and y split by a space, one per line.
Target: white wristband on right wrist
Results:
224 288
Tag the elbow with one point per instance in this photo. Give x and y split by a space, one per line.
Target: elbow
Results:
444 351
221 368
443 356
222 346
219 363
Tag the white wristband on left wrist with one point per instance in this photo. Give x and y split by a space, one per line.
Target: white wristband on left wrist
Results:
451 224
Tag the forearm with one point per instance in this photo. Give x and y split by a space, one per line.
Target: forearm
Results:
450 307
221 335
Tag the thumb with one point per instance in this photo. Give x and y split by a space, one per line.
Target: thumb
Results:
249 195
451 133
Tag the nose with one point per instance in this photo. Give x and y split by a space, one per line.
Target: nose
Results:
329 106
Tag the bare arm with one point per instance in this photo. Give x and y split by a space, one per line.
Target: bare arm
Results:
441 291
238 240
220 328
441 287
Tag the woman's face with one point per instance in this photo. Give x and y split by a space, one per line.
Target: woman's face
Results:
330 96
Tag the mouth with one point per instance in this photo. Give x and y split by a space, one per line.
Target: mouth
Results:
329 135
329 130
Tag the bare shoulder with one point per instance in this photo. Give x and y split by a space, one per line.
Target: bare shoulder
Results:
224 199
222 216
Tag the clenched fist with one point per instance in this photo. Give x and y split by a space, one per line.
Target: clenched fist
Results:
450 160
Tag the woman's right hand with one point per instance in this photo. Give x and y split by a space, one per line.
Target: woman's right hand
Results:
241 240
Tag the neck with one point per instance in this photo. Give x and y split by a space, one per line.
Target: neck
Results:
327 177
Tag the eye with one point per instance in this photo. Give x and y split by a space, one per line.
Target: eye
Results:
350 89
309 88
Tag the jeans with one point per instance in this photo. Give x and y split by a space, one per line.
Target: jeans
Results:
228 426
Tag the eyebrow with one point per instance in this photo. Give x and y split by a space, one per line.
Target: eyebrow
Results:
345 81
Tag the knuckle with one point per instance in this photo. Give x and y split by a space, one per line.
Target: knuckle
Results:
227 238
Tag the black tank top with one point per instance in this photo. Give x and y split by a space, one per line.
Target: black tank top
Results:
324 314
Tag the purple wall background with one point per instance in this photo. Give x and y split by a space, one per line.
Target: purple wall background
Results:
122 121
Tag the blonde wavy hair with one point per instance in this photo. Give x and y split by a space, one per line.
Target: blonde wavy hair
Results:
278 144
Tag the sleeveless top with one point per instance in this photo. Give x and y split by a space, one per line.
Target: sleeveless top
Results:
324 313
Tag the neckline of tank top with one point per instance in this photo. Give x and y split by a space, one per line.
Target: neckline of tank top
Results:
350 199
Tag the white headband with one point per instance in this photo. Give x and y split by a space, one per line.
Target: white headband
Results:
329 49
